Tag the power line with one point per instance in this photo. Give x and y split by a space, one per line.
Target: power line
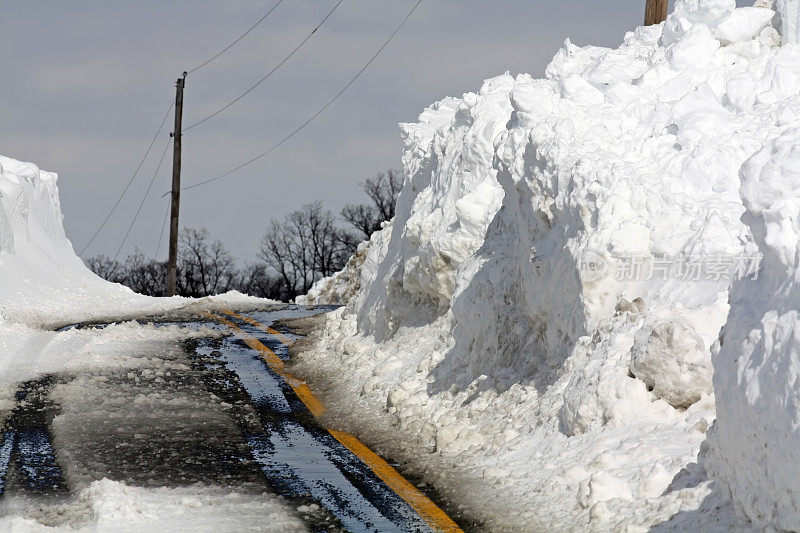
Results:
315 115
135 173
259 21
163 225
262 80
161 126
141 204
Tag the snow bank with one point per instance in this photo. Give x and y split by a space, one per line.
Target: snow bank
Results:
39 269
42 281
755 442
541 314
339 288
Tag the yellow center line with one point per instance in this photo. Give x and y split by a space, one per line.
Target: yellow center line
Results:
266 329
428 510
418 501
277 365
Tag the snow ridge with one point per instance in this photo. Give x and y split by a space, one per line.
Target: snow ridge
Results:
755 442
542 313
42 278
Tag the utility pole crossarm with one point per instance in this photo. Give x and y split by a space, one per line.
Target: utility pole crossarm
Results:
172 264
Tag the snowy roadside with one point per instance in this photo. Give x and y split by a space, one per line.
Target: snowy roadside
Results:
119 508
129 403
538 329
44 286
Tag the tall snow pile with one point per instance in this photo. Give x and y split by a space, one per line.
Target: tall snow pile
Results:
42 281
41 278
541 313
755 442
44 284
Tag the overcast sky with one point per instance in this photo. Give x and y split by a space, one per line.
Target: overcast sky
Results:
86 83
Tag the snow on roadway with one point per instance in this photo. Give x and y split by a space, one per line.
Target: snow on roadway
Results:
118 508
211 425
529 331
538 328
308 459
44 285
143 415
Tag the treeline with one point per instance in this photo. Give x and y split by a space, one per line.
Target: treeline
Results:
306 245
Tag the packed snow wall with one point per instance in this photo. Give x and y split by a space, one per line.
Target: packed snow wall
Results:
559 265
755 442
41 278
30 209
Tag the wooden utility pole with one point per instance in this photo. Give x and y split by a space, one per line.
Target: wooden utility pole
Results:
172 265
655 12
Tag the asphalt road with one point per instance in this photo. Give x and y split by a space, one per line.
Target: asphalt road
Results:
221 411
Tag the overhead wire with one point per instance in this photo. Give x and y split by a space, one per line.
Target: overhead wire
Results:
268 74
163 226
234 43
160 128
315 115
130 181
141 204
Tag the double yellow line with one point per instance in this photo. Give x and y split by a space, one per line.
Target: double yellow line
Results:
428 510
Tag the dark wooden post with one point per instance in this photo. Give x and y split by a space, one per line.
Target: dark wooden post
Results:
655 12
172 265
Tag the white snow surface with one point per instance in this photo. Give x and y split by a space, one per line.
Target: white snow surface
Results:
502 326
44 285
113 507
755 443
339 288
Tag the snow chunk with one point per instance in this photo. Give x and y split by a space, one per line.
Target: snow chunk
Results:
743 24
601 487
691 13
108 505
672 360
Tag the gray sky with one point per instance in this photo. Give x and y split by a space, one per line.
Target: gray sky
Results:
86 83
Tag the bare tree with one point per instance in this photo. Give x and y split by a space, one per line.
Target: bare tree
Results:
205 267
255 280
362 218
382 191
328 253
107 268
144 275
304 247
295 252
281 250
349 242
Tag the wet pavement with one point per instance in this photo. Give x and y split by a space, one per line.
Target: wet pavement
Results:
212 412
